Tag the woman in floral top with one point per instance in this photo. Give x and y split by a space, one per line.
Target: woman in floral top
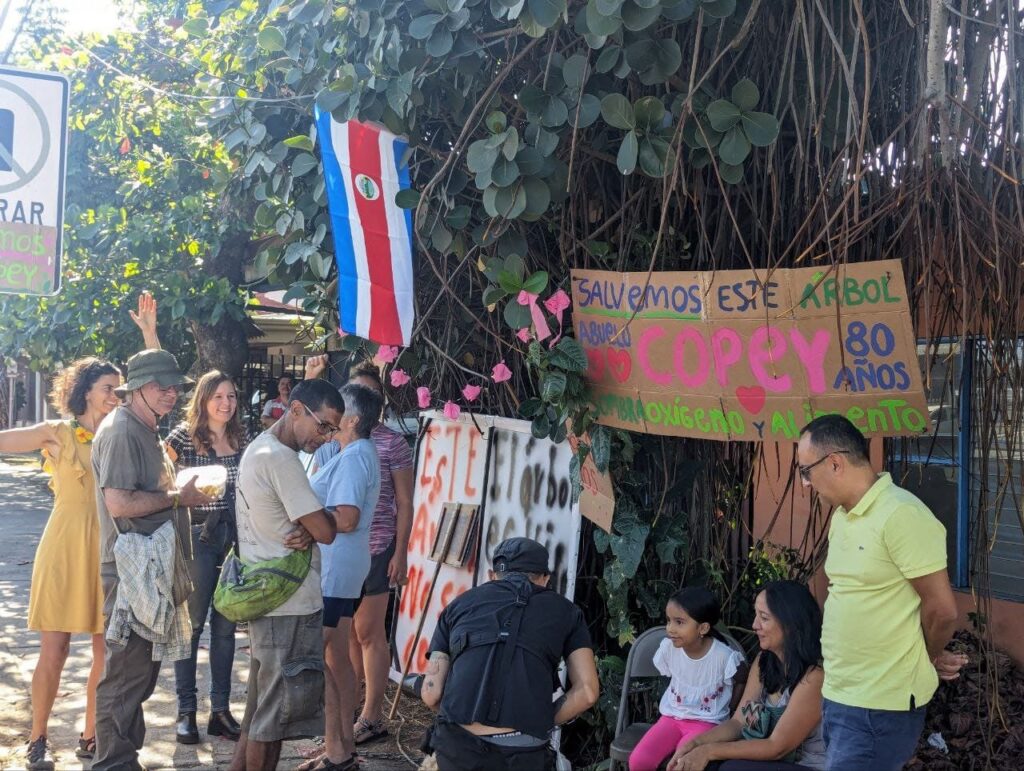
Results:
66 597
211 434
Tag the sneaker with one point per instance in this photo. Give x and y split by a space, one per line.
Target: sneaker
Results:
39 756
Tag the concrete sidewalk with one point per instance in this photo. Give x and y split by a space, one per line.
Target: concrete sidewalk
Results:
25 502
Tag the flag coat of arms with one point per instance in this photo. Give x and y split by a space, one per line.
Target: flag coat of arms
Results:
363 171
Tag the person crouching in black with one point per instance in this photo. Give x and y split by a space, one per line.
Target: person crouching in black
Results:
493 667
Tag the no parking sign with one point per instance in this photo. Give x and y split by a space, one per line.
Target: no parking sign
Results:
33 148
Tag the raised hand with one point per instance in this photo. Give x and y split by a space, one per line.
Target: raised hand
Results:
145 319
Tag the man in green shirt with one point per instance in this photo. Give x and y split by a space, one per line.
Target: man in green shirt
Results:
890 609
135 493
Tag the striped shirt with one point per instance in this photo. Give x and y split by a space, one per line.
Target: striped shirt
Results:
395 455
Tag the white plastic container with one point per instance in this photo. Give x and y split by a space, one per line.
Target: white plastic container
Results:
211 480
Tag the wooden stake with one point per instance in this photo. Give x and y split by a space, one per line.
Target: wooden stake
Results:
423 614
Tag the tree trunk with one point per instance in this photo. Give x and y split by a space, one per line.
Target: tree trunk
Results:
224 345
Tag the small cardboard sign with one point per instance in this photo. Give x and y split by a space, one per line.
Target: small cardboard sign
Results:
597 496
739 355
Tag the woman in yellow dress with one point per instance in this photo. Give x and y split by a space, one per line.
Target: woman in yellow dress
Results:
66 597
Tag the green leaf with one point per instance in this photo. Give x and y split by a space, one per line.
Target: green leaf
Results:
601 447
601 24
538 196
516 316
440 43
734 147
536 283
587 112
730 174
608 58
574 71
649 112
719 9
680 10
570 348
303 164
408 198
626 159
504 172
652 163
555 113
422 27
480 157
301 142
196 27
510 202
609 7
496 122
761 128
541 426
531 407
722 114
492 294
617 111
546 12
635 18
270 39
745 95
552 385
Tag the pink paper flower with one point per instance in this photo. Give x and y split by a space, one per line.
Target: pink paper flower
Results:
451 410
423 397
399 377
524 334
559 301
387 353
470 392
501 373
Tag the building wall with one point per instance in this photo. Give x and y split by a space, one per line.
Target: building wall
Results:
789 505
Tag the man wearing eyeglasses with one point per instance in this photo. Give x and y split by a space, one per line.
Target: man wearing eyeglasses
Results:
890 609
286 678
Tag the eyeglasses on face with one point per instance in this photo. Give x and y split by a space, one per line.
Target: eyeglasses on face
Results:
323 427
805 471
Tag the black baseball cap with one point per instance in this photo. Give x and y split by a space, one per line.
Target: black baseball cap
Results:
522 555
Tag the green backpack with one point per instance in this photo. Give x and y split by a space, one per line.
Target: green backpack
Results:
249 590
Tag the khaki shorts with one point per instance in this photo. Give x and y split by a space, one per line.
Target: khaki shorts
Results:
286 678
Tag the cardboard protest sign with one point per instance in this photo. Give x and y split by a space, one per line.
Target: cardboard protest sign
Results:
731 355
597 495
522 488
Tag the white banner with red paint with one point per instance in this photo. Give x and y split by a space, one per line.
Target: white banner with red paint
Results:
526 492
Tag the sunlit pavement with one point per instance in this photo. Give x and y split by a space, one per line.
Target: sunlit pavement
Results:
25 504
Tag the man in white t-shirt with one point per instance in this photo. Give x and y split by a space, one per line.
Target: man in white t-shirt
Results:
286 678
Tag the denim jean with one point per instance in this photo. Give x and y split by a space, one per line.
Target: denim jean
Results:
204 568
859 739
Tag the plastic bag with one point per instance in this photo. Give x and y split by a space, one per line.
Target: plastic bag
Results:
210 480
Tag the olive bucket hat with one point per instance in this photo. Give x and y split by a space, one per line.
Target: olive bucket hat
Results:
153 365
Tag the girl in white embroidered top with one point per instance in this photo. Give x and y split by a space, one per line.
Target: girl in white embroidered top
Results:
702 668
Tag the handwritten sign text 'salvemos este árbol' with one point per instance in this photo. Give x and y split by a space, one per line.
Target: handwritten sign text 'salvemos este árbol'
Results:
726 355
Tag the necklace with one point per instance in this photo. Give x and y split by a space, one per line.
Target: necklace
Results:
82 434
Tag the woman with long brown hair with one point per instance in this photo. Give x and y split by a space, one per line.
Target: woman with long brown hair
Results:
211 434
66 597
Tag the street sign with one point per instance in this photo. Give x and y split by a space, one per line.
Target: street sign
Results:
33 149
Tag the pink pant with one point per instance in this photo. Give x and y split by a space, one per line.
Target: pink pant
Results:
661 741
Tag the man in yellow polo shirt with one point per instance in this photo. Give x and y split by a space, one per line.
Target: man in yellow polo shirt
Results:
890 609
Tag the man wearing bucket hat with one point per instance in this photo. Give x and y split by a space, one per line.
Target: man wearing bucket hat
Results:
493 669
135 491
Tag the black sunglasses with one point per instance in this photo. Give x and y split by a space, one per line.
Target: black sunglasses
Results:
805 471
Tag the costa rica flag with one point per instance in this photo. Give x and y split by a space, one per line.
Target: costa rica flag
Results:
364 170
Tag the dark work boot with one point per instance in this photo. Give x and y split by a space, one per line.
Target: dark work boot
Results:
223 724
187 731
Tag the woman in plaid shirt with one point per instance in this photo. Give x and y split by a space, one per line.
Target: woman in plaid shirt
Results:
211 434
